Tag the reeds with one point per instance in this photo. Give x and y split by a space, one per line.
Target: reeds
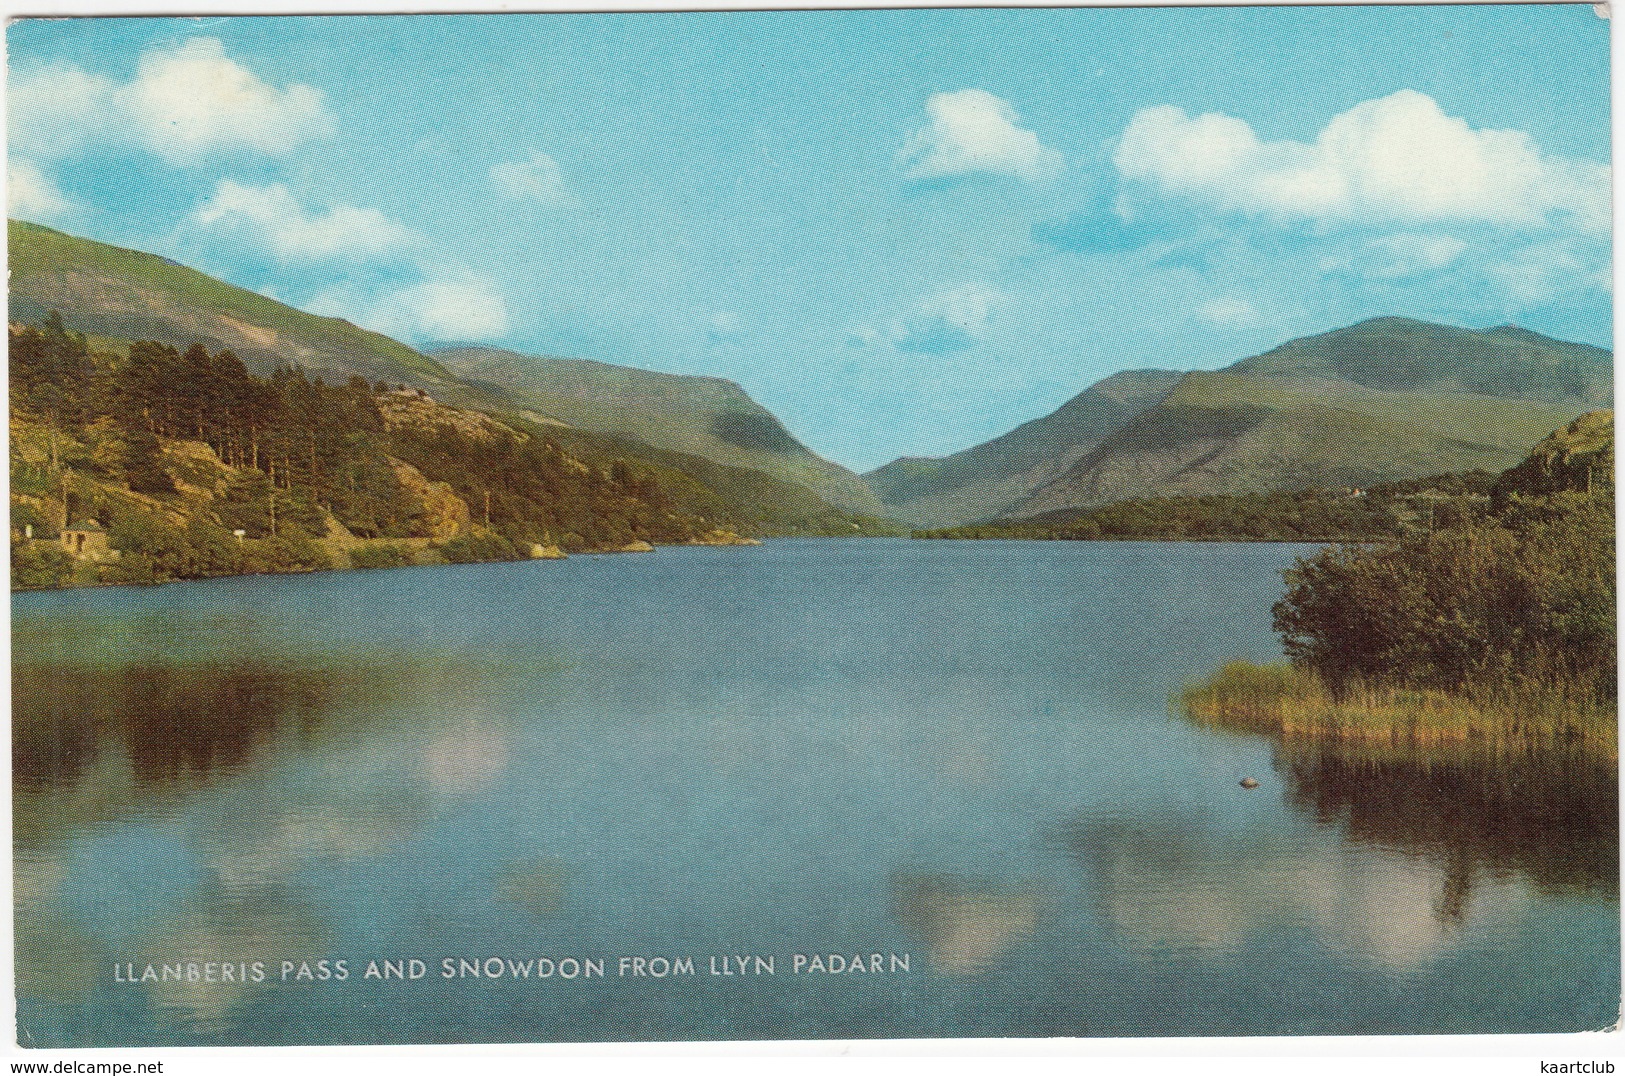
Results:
1298 705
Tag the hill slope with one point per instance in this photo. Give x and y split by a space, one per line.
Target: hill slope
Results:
702 416
117 296
988 479
128 295
1384 400
1404 355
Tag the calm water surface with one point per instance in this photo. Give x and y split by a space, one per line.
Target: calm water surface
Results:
958 753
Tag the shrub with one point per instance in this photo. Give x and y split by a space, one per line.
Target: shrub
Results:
479 548
36 565
381 556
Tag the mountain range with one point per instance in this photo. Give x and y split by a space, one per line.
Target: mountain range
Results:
1383 400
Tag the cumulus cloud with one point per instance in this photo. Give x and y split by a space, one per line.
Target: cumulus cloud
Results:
464 306
52 112
948 321
536 179
186 102
1395 159
31 195
1229 313
273 216
974 131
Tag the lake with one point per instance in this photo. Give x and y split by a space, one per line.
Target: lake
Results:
951 764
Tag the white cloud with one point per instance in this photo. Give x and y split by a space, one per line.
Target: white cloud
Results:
465 307
1545 272
185 103
1229 313
275 217
948 321
52 112
725 327
538 179
974 131
31 195
1398 158
1404 254
966 308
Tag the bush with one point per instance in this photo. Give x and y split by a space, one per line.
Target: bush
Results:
479 549
381 556
1510 601
36 565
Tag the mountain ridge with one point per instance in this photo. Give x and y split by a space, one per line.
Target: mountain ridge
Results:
702 415
1384 399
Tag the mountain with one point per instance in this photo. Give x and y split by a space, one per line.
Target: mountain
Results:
124 295
984 481
1403 355
1384 400
116 296
701 416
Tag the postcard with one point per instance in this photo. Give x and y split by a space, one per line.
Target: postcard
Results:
812 525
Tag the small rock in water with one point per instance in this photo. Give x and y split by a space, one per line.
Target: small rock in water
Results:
1248 782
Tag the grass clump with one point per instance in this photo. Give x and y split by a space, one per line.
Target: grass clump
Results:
1297 704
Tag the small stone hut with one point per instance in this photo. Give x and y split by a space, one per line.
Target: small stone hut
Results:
87 541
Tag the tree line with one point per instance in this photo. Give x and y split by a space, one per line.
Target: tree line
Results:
1382 512
298 451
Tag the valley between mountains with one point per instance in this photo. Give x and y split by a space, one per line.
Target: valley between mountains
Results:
203 429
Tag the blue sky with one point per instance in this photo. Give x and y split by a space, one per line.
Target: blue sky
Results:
903 231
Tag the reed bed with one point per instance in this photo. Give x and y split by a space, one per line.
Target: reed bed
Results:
1298 705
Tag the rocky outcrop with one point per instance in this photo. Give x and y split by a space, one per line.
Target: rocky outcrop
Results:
415 408
719 536
445 514
546 552
638 546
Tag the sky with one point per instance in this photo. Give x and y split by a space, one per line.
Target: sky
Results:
904 232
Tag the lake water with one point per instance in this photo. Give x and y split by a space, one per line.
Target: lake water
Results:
956 756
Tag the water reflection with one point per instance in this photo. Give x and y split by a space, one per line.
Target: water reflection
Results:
535 885
176 724
265 926
1550 817
1178 886
965 923
201 779
1436 841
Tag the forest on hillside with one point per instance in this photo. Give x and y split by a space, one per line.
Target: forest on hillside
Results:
112 439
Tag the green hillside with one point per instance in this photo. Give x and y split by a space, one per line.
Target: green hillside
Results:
110 298
125 295
986 480
1400 354
1382 401
155 464
702 416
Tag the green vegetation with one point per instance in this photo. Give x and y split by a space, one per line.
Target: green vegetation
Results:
1297 704
707 417
1499 629
1404 354
1382 401
194 467
126 295
1385 511
988 479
